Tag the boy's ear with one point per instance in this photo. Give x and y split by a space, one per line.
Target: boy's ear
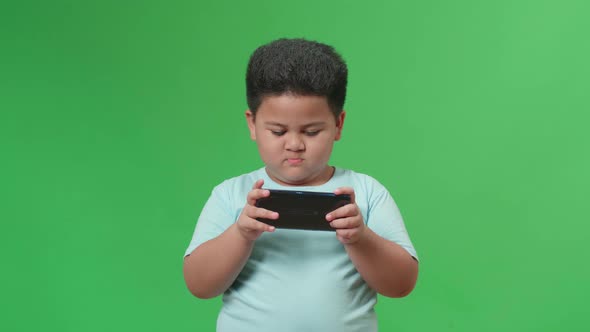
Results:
340 125
251 126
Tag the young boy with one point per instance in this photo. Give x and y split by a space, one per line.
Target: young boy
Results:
298 280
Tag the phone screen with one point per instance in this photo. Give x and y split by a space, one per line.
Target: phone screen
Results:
301 209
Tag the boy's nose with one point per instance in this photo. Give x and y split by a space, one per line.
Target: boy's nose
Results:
294 143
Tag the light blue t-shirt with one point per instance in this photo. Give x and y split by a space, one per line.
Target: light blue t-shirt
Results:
297 280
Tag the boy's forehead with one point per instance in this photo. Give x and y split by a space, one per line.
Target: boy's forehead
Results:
292 123
294 107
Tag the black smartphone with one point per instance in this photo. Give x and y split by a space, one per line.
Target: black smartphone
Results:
301 209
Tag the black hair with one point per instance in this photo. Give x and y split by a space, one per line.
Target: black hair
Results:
299 67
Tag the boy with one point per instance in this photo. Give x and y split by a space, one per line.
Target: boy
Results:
297 280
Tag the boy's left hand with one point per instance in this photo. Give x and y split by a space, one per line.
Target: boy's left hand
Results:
347 220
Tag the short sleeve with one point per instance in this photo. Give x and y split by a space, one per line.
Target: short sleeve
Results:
384 218
214 219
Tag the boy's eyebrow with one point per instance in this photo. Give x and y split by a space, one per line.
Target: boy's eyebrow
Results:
317 123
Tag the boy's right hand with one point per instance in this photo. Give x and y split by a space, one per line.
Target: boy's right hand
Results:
247 225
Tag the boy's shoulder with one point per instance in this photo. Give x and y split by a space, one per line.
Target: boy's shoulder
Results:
354 174
358 179
245 180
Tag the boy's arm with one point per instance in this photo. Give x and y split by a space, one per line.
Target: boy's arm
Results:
386 267
213 266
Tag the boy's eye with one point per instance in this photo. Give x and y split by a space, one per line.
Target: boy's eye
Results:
278 132
312 133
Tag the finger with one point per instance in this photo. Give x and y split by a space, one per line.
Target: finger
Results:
346 190
256 194
346 223
253 225
253 212
348 210
258 184
252 197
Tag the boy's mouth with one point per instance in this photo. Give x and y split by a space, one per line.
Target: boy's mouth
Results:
294 161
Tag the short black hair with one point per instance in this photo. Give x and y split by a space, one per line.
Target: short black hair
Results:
296 66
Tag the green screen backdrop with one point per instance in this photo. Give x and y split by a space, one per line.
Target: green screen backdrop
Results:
117 118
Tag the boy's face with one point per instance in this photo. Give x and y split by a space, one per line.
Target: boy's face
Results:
295 136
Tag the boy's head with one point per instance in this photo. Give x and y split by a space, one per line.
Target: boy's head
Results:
296 91
298 67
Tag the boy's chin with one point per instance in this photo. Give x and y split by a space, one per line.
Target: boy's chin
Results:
289 180
295 178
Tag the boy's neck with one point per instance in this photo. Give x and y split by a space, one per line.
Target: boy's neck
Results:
321 179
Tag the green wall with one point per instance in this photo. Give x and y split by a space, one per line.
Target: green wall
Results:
117 118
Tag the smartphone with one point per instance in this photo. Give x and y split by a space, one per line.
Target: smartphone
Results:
301 209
